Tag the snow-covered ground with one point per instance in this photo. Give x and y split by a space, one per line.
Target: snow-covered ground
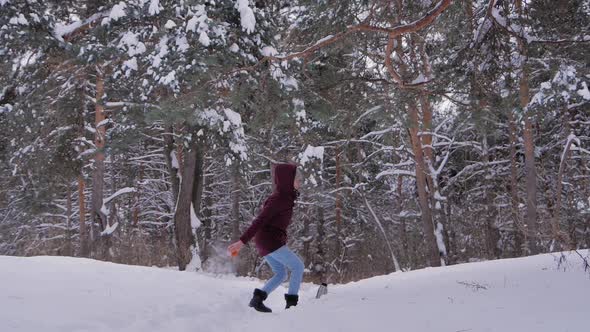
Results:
66 294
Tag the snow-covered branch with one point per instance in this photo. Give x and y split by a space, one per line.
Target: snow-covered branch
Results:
119 192
391 32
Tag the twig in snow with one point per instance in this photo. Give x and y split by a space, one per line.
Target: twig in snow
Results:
473 285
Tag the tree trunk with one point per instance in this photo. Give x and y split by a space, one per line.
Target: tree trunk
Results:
320 256
432 252
422 172
519 234
340 246
137 196
321 266
84 249
338 206
403 227
426 107
198 193
428 148
98 214
560 238
305 232
198 181
531 186
587 203
469 12
169 152
492 232
452 251
235 203
478 105
207 224
529 147
68 251
182 216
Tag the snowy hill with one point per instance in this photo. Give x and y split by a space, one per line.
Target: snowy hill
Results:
68 294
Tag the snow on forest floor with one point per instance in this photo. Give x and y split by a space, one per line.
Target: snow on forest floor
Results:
71 294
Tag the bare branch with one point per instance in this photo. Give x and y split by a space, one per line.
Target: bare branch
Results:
363 27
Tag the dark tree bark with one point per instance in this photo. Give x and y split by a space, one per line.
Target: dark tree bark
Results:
432 252
519 234
406 253
136 198
182 216
68 249
492 232
84 248
529 148
168 151
422 171
197 196
97 215
235 201
207 224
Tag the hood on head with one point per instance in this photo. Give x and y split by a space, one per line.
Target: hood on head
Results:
284 175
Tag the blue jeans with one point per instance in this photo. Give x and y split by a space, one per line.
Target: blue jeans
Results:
280 260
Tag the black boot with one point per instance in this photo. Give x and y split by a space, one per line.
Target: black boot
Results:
291 300
256 302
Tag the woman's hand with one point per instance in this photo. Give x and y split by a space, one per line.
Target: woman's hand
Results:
235 248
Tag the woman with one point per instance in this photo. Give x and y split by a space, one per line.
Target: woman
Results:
269 230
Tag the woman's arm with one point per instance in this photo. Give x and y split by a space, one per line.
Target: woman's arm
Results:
268 211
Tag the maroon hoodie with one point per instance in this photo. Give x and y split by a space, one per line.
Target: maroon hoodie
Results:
269 229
